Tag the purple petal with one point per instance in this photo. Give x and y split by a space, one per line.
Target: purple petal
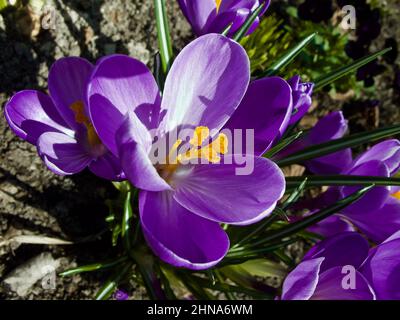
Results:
134 145
216 192
330 286
68 79
120 84
302 100
376 197
382 269
199 13
31 113
331 226
348 248
179 237
206 83
387 152
300 284
379 224
62 154
266 108
107 167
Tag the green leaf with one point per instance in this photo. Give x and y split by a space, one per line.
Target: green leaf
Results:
3 4
329 147
288 57
341 72
295 194
93 267
293 228
283 144
227 29
341 180
127 222
241 33
111 284
164 37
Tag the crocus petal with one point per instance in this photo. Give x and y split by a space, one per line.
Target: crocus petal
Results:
107 167
266 108
348 248
300 284
31 113
218 193
302 100
382 269
205 85
376 197
331 127
68 79
62 154
330 286
331 226
387 152
134 145
120 84
198 13
179 237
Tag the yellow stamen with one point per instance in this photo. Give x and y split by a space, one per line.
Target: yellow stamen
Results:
218 4
396 195
80 117
199 136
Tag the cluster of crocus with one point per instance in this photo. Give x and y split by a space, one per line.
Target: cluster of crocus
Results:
208 16
377 215
343 267
108 117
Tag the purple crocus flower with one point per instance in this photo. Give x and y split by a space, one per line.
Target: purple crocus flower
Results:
343 267
213 16
302 101
377 214
332 126
182 205
59 124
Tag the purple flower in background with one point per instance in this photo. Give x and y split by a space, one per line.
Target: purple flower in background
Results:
121 295
377 214
213 16
302 100
331 127
182 205
344 268
59 124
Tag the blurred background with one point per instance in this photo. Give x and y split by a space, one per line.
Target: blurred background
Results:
33 34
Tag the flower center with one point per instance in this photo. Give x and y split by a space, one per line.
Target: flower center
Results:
396 195
211 152
80 117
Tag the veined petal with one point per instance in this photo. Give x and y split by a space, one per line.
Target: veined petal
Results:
121 84
205 85
68 79
300 284
62 154
178 236
134 144
30 113
108 167
347 248
217 191
330 287
266 108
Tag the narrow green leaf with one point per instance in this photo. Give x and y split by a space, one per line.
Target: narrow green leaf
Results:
329 147
126 227
314 218
93 267
341 72
295 194
164 37
111 284
283 144
288 57
241 33
341 180
227 29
